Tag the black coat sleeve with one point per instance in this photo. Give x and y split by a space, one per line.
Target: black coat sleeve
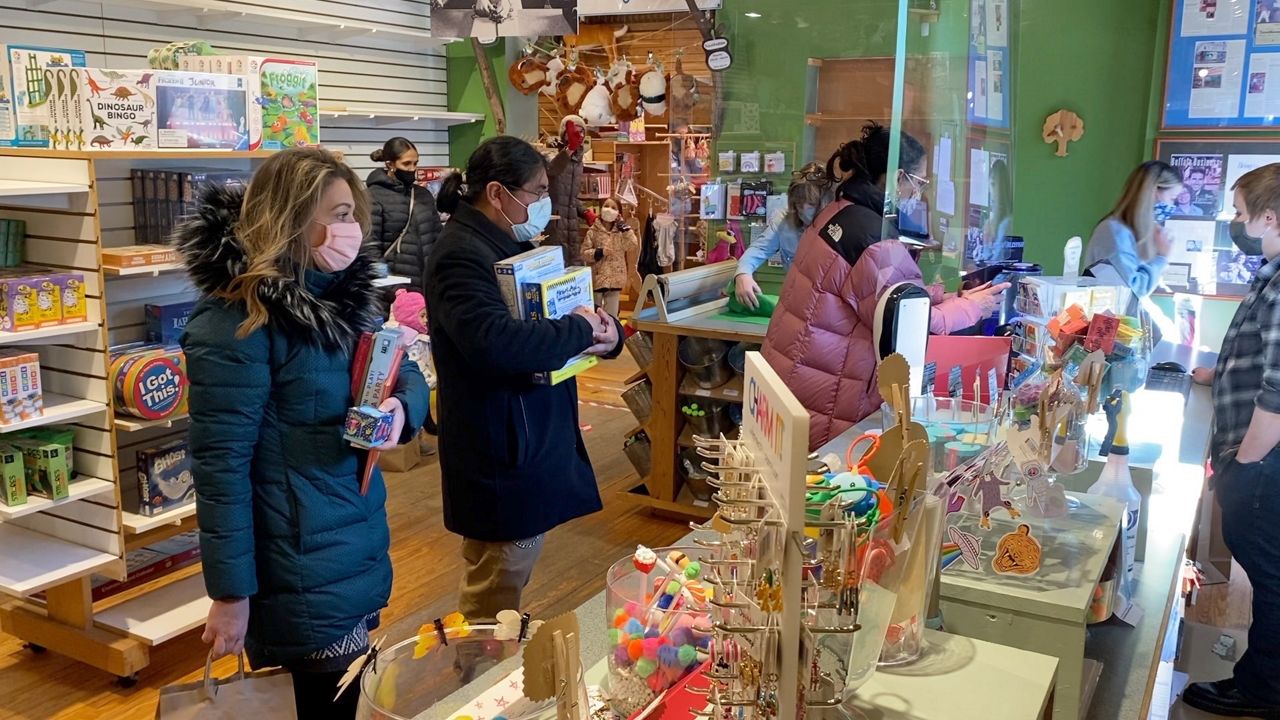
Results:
429 229
470 307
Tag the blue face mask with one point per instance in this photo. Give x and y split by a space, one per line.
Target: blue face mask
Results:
1164 211
539 213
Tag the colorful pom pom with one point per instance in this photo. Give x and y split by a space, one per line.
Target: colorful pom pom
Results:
668 656
665 601
651 646
615 635
681 635
633 609
693 570
687 655
620 618
673 587
651 633
621 657
645 667
635 649
633 627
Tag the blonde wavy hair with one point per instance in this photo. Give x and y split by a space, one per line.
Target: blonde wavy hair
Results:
279 205
1136 207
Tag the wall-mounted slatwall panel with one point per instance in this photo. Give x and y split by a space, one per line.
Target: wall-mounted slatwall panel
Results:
370 70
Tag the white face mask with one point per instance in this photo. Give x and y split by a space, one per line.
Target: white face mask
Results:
608 214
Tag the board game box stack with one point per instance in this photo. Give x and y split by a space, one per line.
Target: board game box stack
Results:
34 297
163 198
536 285
42 92
284 108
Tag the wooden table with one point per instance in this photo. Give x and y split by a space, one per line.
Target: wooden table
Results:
661 491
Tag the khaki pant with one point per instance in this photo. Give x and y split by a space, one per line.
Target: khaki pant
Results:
494 576
610 300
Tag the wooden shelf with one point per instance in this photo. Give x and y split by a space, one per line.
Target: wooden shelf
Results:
686 508
57 408
79 490
138 524
152 270
138 154
160 615
639 375
385 114
33 561
135 424
729 392
27 337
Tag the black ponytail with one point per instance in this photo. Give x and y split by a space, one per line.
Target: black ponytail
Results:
392 150
506 160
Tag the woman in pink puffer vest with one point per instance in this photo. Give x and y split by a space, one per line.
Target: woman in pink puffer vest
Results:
820 338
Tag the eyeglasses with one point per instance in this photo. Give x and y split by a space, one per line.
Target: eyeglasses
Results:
811 172
538 195
916 181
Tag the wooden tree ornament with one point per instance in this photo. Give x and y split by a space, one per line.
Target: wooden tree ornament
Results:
1062 127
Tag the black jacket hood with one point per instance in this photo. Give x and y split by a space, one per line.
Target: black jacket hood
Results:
331 312
381 177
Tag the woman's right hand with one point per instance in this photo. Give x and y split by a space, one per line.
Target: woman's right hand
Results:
746 290
988 297
1203 375
1163 240
226 627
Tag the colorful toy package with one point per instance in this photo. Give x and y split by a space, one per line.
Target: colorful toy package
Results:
284 109
32 80
21 393
165 322
165 481
122 109
201 111
13 479
149 381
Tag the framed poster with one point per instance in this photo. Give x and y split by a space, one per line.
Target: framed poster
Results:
1224 65
990 81
1204 261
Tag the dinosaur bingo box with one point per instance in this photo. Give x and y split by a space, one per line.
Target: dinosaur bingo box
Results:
120 109
284 103
32 80
201 111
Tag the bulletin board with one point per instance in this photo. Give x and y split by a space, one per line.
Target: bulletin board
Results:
1203 260
989 69
1224 65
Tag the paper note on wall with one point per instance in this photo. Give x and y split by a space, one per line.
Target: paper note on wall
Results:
946 197
1220 17
1216 79
1238 165
979 170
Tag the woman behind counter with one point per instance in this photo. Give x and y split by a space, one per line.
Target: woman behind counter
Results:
512 460
810 189
1132 238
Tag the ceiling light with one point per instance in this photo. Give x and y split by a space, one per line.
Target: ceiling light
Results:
754 15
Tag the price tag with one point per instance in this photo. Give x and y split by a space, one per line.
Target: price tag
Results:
930 378
955 384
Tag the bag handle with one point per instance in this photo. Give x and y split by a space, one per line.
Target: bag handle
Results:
209 691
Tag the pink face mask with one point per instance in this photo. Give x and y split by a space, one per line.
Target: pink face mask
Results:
341 245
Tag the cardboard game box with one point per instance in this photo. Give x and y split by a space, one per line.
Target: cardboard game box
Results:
21 393
538 264
165 481
13 479
32 80
134 256
284 103
201 111
121 108
166 322
558 297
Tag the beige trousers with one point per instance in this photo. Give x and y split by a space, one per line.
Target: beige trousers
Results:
494 576
609 300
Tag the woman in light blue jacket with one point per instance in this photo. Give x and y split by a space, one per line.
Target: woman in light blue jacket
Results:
810 190
1132 238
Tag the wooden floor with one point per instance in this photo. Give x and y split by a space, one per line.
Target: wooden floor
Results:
425 557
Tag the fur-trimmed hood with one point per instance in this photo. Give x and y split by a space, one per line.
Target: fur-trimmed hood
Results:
331 312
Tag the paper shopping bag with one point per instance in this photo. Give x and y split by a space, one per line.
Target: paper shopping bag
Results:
265 694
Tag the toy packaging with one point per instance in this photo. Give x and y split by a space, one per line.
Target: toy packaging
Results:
542 262
13 241
66 110
7 123
284 103
165 481
13 479
149 381
121 108
367 427
553 299
165 323
32 80
134 256
162 199
60 435
32 298
45 469
377 362
21 392
201 111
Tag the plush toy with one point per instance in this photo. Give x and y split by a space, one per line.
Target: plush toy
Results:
684 93
626 98
572 87
597 107
653 92
555 66
529 74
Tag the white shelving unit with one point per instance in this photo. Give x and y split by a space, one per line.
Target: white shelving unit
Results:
33 561
79 490
57 409
57 332
138 524
162 614
387 114
152 270
128 424
38 193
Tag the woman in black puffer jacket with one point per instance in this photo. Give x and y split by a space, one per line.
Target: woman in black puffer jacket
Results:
404 242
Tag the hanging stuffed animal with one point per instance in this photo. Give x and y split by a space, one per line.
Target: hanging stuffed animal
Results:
653 91
555 66
529 74
572 88
626 98
597 107
684 93
618 72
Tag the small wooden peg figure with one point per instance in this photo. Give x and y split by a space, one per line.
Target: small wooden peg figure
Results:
1062 127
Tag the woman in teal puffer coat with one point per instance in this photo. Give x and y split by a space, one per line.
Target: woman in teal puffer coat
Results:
295 557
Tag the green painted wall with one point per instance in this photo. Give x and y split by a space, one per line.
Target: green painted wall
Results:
1097 58
466 94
